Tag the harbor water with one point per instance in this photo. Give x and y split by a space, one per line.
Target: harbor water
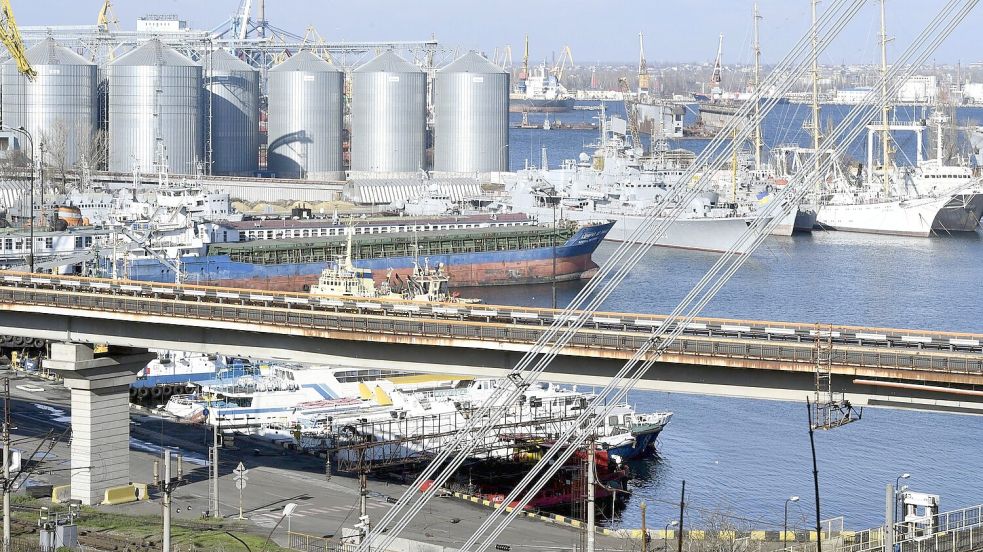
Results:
742 458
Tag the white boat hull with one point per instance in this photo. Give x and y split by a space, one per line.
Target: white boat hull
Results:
717 234
916 217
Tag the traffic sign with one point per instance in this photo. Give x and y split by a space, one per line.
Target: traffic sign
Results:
240 484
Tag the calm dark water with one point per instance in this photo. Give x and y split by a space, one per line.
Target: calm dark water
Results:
745 457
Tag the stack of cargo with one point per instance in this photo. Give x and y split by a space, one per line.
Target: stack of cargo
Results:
155 111
58 108
471 116
305 119
389 97
232 96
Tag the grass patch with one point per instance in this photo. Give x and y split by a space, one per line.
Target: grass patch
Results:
204 534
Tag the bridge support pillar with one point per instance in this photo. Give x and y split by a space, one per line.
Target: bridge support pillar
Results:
100 415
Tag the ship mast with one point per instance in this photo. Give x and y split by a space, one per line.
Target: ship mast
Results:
757 85
885 108
815 86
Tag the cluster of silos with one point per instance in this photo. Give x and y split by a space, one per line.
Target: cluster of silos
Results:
305 113
388 128
57 109
232 104
155 110
471 116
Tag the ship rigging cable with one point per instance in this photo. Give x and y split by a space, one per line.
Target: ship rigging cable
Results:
620 263
724 269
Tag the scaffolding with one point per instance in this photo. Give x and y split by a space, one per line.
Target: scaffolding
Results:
830 409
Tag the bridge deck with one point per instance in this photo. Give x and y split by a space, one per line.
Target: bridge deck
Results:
877 356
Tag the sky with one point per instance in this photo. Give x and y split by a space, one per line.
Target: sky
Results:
596 31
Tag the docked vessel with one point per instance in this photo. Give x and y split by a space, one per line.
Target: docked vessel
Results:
615 184
539 90
928 198
262 257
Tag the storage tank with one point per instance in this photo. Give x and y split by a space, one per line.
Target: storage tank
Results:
232 96
471 116
58 108
305 118
155 94
389 99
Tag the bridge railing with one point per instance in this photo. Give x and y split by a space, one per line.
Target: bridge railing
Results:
310 318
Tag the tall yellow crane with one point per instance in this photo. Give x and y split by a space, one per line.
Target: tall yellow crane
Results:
10 36
107 17
632 111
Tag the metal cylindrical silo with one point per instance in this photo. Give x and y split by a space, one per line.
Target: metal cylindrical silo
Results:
388 116
232 100
471 116
305 118
58 109
154 101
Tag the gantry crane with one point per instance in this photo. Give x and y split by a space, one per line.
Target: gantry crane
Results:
10 35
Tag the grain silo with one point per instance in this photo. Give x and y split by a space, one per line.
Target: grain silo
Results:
388 116
58 108
305 118
155 98
471 116
232 99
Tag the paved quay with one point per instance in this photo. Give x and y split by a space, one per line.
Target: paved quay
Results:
276 477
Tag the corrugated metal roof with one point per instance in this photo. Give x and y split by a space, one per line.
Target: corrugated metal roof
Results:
153 52
49 52
388 62
224 61
472 62
306 61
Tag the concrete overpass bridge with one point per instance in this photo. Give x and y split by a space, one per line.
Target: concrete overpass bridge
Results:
775 360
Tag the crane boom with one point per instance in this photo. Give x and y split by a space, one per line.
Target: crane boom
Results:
632 111
107 17
10 36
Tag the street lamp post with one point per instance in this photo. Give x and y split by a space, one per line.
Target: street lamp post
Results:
785 524
665 535
30 139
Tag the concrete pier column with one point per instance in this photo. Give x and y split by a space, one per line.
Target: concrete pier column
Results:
100 415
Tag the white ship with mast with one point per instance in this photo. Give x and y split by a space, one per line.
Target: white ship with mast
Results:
929 198
616 184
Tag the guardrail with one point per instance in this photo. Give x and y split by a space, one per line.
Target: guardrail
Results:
195 304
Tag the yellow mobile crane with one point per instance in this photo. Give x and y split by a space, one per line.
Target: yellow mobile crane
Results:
12 40
632 111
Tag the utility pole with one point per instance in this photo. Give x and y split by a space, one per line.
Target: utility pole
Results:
591 522
815 479
645 533
6 463
215 442
166 502
682 504
891 504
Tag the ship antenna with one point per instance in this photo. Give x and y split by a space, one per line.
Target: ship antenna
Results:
885 124
757 85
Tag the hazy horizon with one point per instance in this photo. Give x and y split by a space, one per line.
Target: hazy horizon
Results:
677 31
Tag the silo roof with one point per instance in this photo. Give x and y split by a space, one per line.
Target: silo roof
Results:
153 52
306 61
224 61
388 62
472 62
49 52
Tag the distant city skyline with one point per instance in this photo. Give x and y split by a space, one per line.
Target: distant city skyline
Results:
676 31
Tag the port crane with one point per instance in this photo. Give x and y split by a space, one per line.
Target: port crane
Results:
524 72
643 70
632 110
10 36
107 21
560 66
